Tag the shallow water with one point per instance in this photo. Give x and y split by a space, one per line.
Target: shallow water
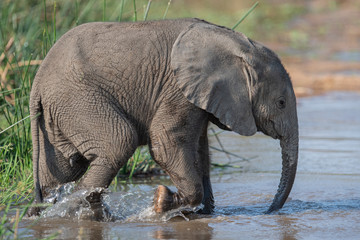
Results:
324 202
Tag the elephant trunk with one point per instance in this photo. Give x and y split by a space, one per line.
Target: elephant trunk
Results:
289 150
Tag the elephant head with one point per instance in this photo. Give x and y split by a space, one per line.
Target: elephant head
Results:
244 85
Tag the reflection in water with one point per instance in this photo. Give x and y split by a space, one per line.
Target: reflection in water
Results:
286 225
182 230
68 229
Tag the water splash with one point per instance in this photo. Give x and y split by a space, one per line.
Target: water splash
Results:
59 193
137 206
84 204
100 204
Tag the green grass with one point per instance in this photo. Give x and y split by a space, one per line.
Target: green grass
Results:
8 226
9 223
15 142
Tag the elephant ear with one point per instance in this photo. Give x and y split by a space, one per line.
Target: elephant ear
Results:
212 68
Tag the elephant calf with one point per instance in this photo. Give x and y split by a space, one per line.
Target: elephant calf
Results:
106 88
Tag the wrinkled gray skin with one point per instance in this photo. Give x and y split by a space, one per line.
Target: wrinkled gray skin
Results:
106 88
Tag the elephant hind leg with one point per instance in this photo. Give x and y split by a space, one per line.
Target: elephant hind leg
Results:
116 141
54 164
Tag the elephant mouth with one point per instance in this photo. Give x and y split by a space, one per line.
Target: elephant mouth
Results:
269 129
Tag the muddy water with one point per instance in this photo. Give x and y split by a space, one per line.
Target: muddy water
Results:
324 202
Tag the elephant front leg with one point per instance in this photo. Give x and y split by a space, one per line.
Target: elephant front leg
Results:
189 168
176 145
183 171
203 150
165 199
208 199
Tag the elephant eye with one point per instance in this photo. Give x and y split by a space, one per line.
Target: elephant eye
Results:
281 103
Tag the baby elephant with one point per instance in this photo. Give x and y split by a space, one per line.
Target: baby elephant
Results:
106 88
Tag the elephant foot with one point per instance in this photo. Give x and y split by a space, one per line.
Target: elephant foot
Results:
100 212
33 211
165 199
207 210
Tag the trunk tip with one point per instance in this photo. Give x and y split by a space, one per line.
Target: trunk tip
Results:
272 209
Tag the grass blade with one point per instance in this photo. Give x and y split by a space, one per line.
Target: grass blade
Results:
246 14
76 12
147 10
5 92
121 9
227 152
167 9
104 10
220 144
46 34
14 124
54 23
136 159
135 12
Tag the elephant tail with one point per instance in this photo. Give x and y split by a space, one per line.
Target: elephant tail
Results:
35 114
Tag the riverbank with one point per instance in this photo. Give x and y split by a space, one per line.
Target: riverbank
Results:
320 47
313 77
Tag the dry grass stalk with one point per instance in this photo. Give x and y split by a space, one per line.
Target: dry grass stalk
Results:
5 84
